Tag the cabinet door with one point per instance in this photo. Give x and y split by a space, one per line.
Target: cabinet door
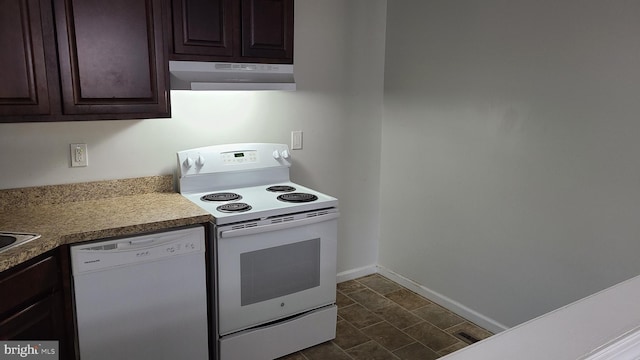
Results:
31 305
112 57
267 29
203 27
23 74
42 320
31 280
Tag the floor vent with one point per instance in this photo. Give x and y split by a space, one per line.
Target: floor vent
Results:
466 337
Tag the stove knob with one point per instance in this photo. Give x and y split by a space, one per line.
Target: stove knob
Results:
200 161
285 154
188 162
276 154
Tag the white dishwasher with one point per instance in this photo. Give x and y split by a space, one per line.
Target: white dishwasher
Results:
142 297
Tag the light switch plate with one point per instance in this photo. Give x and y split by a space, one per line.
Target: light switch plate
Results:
296 140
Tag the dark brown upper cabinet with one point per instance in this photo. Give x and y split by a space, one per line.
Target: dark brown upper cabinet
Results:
203 27
23 71
259 31
110 61
111 57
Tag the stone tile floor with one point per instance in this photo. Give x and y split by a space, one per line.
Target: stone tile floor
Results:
379 319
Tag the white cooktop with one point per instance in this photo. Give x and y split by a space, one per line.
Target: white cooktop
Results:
263 203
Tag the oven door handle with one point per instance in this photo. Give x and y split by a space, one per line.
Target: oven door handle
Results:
278 226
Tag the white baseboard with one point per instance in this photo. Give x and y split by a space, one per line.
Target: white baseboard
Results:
444 301
356 273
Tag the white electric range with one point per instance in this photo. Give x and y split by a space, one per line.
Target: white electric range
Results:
275 249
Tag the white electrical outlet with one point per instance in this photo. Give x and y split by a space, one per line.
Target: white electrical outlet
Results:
79 155
296 140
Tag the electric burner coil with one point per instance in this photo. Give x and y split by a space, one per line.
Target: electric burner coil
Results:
235 207
281 188
221 196
297 197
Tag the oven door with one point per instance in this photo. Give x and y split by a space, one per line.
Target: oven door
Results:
275 268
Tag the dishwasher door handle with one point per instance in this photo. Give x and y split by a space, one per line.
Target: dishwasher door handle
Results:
141 242
132 244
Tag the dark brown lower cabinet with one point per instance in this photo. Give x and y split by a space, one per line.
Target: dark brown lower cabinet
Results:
41 320
32 303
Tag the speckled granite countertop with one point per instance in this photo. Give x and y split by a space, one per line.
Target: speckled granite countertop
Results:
66 214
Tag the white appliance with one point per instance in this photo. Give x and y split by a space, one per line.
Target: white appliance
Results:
200 75
275 249
142 297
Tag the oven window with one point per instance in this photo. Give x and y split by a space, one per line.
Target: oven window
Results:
279 271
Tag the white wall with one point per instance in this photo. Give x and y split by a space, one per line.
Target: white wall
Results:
341 125
510 154
510 176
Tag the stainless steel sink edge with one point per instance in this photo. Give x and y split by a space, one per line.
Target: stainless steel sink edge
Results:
20 238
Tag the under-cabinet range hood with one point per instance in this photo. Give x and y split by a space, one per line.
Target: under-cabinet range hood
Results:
197 75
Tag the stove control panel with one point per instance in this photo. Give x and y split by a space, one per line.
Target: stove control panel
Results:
227 158
240 157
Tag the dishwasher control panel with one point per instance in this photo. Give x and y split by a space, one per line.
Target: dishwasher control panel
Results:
120 252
